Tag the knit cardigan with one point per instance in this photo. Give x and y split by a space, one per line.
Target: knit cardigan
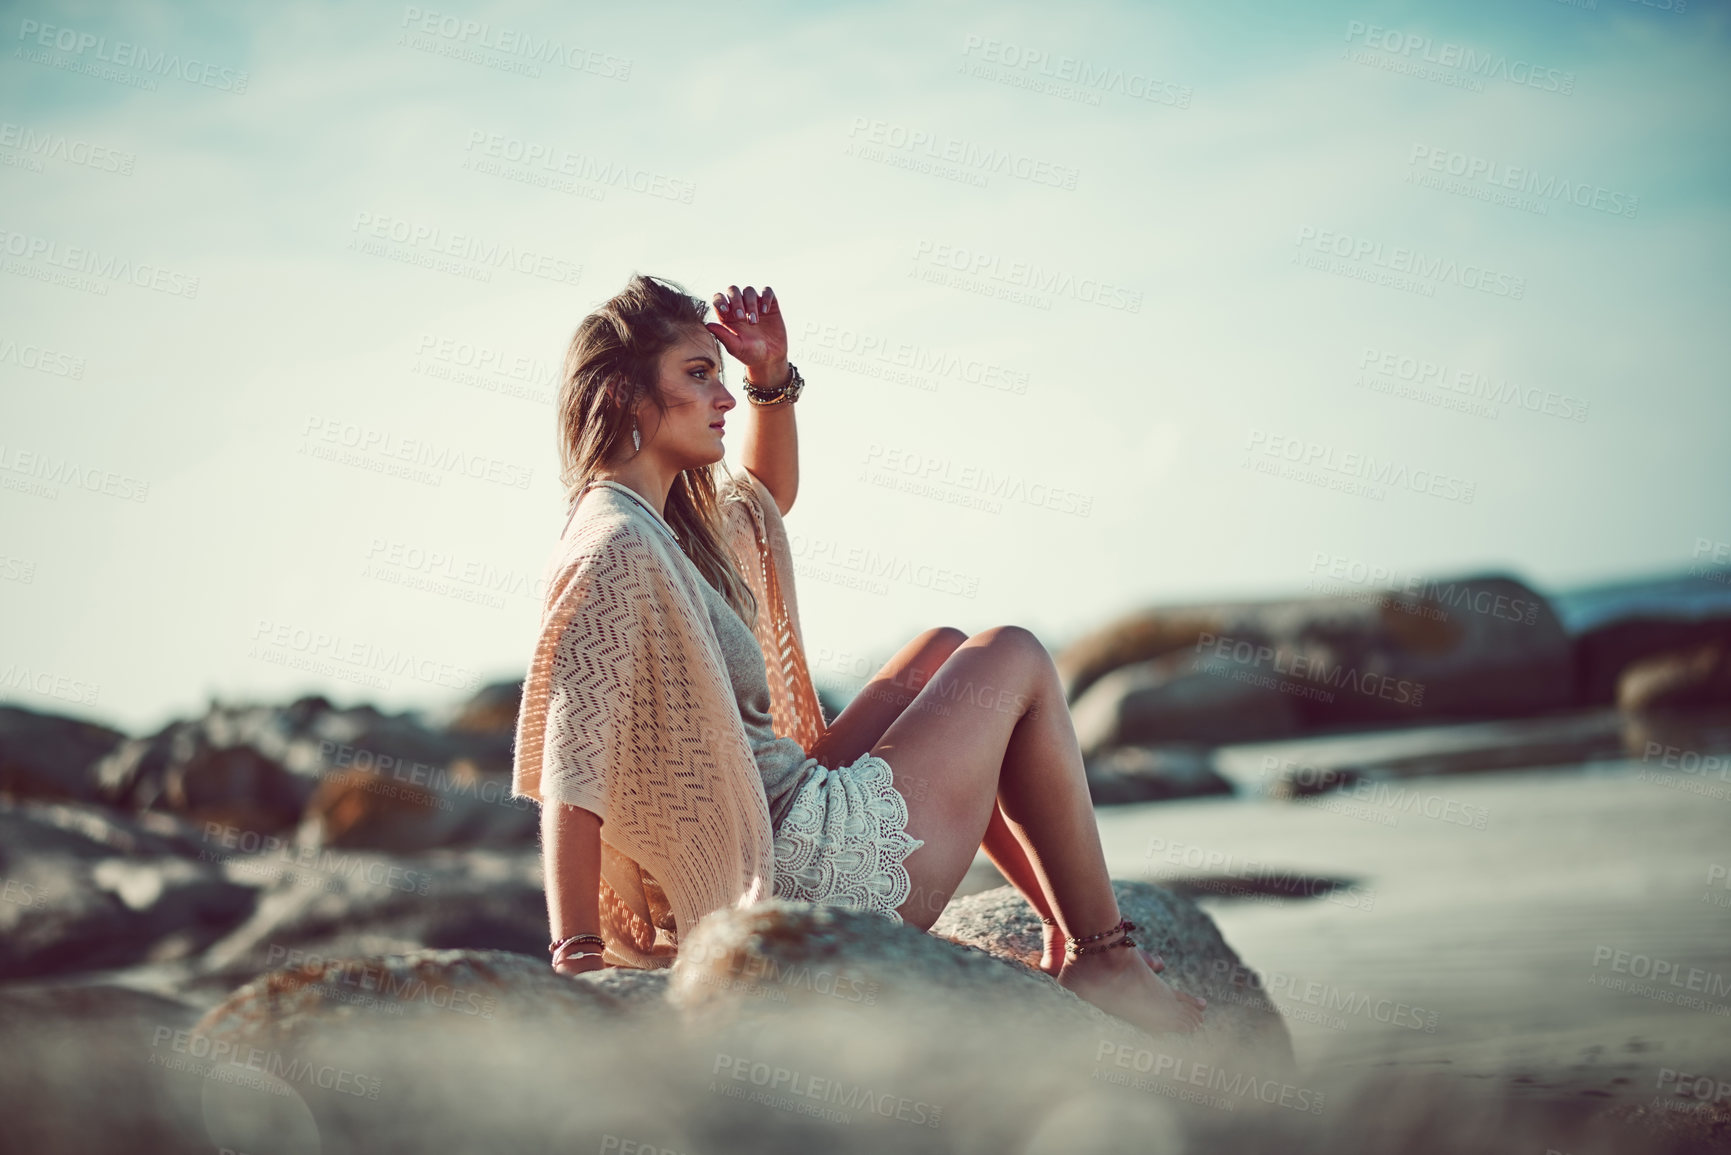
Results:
659 750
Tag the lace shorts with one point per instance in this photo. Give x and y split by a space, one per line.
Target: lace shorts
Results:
844 838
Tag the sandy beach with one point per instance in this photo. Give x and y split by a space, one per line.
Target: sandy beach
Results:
1560 935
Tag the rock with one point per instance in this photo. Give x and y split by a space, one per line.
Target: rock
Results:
85 892
1469 648
1603 653
255 768
285 1007
84 1065
466 807
1678 680
1127 774
492 710
1198 960
51 756
320 903
1179 698
786 1025
1129 640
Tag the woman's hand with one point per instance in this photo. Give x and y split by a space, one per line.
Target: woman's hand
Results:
752 330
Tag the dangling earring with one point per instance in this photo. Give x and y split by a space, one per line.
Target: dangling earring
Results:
636 441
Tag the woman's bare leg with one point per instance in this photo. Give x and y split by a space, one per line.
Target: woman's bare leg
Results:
863 722
991 728
865 719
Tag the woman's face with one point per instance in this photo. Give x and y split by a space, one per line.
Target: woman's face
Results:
690 434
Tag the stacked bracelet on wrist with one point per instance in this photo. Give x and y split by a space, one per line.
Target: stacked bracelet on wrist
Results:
557 949
785 395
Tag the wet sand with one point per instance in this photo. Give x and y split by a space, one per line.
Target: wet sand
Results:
1560 935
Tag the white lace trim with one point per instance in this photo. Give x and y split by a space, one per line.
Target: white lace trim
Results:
844 838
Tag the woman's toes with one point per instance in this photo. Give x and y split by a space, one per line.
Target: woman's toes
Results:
1154 960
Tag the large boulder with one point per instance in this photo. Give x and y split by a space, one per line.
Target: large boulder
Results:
1604 653
319 903
1470 648
1691 679
87 890
1128 774
786 1025
51 756
1180 697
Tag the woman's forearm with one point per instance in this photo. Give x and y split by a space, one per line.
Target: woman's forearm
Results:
571 843
770 445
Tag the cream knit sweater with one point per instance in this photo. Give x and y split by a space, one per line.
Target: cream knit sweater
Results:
659 750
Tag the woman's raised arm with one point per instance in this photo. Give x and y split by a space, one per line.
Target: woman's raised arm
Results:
752 330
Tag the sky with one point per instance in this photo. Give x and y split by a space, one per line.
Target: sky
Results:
1099 306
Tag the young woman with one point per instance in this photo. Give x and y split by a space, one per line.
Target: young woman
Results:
975 728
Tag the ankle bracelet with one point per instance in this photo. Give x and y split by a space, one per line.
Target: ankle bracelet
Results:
1077 947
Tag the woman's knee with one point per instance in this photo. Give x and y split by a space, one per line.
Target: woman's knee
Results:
1018 641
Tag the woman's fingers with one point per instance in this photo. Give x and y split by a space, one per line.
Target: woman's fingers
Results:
768 301
751 304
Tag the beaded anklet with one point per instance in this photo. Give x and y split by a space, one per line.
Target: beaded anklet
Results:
1077 947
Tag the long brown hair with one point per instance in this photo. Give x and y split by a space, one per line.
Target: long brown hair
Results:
613 360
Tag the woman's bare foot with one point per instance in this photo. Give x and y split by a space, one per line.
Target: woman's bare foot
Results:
1052 956
1122 982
